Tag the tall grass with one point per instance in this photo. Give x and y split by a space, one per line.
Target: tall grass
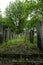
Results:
18 45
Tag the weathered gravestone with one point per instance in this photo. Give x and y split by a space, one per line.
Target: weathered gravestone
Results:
13 35
40 34
1 34
10 35
26 33
7 33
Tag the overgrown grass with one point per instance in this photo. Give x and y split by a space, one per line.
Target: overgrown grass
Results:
18 45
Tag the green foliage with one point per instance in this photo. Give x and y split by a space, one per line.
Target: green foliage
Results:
0 17
18 45
8 23
18 13
15 12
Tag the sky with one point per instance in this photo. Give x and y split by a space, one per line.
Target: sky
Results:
4 4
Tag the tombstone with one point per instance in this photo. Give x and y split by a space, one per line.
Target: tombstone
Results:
1 33
39 28
7 33
42 35
4 34
26 33
14 35
10 35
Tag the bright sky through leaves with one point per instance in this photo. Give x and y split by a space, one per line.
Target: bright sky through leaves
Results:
4 4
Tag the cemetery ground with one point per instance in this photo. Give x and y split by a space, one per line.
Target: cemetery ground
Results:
25 19
19 51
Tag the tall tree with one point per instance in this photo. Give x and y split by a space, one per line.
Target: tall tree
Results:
38 13
18 12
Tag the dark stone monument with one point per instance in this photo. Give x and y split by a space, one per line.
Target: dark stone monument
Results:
1 34
7 33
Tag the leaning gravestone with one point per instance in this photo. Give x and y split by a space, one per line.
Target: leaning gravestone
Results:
1 34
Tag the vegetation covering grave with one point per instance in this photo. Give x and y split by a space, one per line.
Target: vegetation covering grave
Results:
22 17
19 45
